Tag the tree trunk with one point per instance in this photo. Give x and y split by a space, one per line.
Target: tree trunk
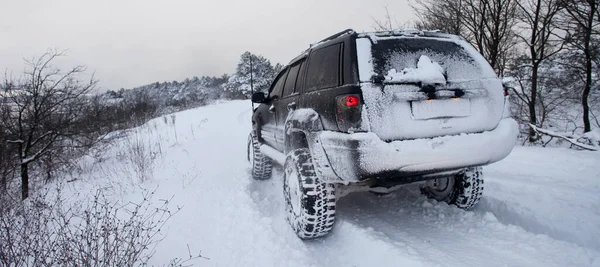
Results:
24 181
584 99
588 68
458 24
4 183
532 113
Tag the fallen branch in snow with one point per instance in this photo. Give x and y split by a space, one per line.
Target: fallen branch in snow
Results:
573 139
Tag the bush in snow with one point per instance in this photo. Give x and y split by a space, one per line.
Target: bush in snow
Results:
593 137
100 232
139 153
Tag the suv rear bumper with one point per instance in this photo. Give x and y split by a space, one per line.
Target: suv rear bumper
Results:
346 158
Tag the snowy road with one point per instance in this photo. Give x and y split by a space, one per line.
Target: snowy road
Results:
541 207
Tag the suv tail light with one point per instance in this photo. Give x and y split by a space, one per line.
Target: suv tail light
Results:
349 110
352 101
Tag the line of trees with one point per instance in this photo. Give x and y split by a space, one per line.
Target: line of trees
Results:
549 48
159 98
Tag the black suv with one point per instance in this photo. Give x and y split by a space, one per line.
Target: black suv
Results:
379 110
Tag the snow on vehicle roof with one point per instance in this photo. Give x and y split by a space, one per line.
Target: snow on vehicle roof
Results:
383 35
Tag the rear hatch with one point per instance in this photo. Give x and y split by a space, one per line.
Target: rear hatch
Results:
422 87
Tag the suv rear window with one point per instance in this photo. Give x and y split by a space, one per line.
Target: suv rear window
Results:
458 63
324 68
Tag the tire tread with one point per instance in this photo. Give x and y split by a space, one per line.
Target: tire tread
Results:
262 166
317 215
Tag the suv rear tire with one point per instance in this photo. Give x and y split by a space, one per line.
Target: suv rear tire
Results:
262 166
310 203
463 190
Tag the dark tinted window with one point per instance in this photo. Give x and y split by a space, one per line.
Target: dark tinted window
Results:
278 85
323 68
300 78
290 82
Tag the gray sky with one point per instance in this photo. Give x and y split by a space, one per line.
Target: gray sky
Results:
134 42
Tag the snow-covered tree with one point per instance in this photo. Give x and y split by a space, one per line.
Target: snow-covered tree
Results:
253 71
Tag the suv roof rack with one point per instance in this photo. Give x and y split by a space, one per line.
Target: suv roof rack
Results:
408 33
346 31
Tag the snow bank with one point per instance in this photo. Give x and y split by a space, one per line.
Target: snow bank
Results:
593 136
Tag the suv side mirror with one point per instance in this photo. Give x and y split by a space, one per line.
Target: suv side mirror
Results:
259 97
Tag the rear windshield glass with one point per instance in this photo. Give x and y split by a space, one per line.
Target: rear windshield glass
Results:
404 53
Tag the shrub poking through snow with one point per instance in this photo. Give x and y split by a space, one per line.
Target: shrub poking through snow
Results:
98 233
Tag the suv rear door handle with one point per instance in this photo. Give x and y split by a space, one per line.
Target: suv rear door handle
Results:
272 109
291 106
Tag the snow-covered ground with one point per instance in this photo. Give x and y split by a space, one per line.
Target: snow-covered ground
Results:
541 206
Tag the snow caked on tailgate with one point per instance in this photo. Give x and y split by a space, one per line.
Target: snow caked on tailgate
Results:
422 87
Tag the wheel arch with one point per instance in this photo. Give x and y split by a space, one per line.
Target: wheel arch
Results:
298 125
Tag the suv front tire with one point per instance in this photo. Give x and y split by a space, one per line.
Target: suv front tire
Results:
262 166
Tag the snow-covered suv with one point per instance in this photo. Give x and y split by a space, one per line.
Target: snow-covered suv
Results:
380 110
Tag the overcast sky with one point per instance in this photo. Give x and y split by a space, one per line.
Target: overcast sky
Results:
135 42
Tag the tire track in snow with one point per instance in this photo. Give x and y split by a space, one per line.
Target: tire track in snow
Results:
219 215
525 219
245 116
406 229
563 204
349 244
459 238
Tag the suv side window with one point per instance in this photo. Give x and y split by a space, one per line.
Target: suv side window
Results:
324 68
301 75
290 82
278 85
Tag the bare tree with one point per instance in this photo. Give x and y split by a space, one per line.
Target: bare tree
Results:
489 25
486 24
445 15
388 24
553 96
581 22
537 20
46 112
5 154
